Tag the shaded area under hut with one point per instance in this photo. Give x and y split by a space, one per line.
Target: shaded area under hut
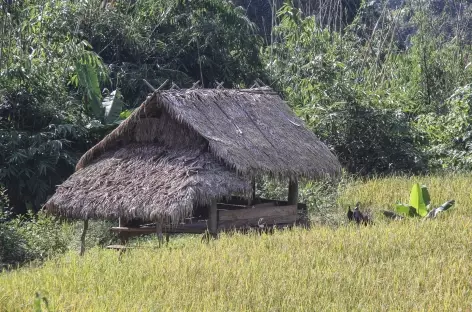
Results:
183 155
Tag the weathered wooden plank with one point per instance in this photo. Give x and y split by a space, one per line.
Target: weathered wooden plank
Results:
193 228
267 205
261 212
230 206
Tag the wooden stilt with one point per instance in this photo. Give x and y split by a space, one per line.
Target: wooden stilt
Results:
253 195
293 192
213 218
159 232
82 238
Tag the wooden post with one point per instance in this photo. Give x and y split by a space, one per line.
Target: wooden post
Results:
293 192
82 238
159 232
253 195
213 218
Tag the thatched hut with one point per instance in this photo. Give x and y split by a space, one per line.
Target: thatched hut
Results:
183 149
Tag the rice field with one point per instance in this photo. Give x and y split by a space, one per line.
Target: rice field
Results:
409 265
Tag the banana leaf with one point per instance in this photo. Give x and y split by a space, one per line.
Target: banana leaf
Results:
405 210
417 201
113 106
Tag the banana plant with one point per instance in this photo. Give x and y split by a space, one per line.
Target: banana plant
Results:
112 105
109 112
419 205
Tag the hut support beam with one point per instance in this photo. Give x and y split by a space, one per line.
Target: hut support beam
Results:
213 218
82 238
253 194
160 237
293 192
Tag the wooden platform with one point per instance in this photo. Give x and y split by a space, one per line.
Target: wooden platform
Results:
230 217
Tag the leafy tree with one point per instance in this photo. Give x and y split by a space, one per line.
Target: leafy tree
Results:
316 69
184 41
41 113
449 135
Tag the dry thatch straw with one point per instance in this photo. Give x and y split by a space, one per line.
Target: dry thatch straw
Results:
185 147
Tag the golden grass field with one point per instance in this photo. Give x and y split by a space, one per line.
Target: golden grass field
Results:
408 265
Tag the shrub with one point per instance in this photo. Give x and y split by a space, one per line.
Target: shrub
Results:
30 237
449 135
370 140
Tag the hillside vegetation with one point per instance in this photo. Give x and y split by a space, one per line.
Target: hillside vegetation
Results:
402 265
384 83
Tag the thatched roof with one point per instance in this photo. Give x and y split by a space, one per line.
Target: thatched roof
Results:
253 132
185 147
145 181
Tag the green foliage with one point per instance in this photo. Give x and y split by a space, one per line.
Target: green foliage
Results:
405 210
184 41
13 246
449 134
417 201
35 237
112 105
319 196
87 79
126 113
40 301
31 164
419 205
49 83
31 237
317 71
98 234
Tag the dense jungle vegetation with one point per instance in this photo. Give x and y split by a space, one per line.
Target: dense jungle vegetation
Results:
385 83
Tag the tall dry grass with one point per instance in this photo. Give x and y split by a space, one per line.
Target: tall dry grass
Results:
382 193
411 265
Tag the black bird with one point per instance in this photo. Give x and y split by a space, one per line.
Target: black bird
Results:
358 216
350 214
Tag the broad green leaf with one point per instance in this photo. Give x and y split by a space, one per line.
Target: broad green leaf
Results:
113 106
403 209
416 200
88 80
